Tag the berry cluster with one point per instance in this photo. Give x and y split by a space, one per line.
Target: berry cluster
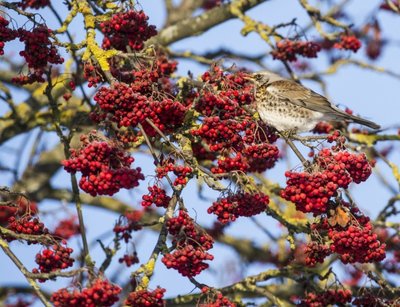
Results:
216 299
66 228
57 257
356 243
225 94
100 293
311 192
241 204
145 298
156 196
323 128
126 224
316 253
105 167
34 4
21 207
191 246
92 74
129 259
182 173
348 42
6 34
327 298
220 134
127 30
350 236
287 50
124 105
39 51
26 225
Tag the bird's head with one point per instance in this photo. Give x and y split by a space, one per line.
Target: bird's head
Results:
265 77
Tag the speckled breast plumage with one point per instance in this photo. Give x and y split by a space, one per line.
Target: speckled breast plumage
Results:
284 115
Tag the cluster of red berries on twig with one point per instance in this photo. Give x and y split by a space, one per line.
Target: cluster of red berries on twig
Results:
129 259
228 209
57 257
287 50
66 228
156 196
34 4
348 42
216 299
145 298
18 209
127 30
6 34
329 297
191 245
311 191
182 172
38 53
104 165
100 293
26 225
316 253
126 224
350 235
224 94
125 106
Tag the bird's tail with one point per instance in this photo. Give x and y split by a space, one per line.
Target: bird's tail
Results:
359 120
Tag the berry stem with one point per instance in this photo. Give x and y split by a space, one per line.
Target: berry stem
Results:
4 246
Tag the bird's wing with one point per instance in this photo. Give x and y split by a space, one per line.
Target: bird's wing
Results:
299 95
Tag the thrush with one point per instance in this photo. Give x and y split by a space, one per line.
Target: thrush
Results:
288 106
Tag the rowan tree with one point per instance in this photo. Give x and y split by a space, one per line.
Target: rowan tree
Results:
102 111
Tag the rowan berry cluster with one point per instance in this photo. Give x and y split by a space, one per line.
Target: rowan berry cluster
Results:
228 209
66 228
126 224
104 165
348 42
224 94
145 298
356 243
92 74
352 238
156 196
100 293
220 134
34 4
216 299
6 34
323 128
26 225
38 53
190 244
316 253
287 50
124 105
21 207
183 173
127 30
329 297
57 257
311 191
129 260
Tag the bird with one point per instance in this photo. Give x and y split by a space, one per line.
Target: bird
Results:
289 106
